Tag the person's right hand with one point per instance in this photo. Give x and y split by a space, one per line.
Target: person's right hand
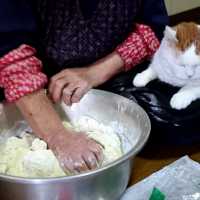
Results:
76 152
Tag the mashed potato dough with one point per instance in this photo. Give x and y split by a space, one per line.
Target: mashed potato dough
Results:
28 156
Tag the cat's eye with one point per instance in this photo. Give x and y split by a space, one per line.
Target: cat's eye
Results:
195 66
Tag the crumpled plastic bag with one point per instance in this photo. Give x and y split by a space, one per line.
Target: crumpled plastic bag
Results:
195 196
178 181
169 126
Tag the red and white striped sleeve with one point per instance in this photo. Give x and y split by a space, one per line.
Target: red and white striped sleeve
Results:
140 45
21 73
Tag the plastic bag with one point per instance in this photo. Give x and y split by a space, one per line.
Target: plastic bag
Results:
157 195
178 181
195 196
169 126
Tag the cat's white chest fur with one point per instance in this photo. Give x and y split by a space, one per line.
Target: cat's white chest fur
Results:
181 69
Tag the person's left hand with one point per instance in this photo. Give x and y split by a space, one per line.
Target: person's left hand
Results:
71 85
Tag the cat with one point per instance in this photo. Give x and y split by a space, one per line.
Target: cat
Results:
177 62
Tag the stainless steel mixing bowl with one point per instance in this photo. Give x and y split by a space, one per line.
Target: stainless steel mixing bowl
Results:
107 183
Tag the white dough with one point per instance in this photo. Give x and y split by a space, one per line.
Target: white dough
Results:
29 157
104 135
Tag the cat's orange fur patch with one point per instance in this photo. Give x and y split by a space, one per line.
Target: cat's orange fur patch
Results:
188 33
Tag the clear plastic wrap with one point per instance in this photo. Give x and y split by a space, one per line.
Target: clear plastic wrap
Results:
178 181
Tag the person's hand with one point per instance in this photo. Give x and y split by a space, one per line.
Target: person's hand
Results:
71 85
76 152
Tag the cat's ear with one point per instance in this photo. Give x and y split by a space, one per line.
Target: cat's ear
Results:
170 34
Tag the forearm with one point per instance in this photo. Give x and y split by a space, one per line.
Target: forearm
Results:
40 114
106 68
75 152
140 45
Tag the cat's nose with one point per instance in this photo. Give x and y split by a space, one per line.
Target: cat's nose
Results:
189 76
189 72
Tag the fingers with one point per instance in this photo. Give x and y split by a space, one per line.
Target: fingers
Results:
80 165
53 80
83 163
71 85
67 94
97 150
98 154
71 94
78 94
61 74
56 88
73 164
67 165
90 160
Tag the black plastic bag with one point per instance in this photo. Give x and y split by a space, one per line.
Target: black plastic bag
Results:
169 126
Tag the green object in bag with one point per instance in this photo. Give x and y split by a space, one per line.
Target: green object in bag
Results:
157 195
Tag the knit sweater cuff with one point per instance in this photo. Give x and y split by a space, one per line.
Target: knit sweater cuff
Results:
20 73
140 45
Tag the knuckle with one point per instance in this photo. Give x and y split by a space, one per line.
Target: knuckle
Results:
66 100
79 164
52 79
58 84
85 84
93 162
97 150
76 96
66 70
66 92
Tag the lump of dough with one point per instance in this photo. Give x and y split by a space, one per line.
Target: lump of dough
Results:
29 138
3 168
18 158
111 145
14 143
42 163
29 157
67 125
12 149
12 154
38 144
102 134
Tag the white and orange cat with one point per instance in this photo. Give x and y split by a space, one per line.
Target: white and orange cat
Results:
177 62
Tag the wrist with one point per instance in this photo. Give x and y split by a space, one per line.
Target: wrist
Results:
59 136
37 109
105 68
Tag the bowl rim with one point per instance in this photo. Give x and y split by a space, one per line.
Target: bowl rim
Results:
130 154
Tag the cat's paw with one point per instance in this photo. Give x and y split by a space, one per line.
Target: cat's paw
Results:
181 100
140 80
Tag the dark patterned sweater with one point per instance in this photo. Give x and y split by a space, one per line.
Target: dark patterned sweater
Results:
76 33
